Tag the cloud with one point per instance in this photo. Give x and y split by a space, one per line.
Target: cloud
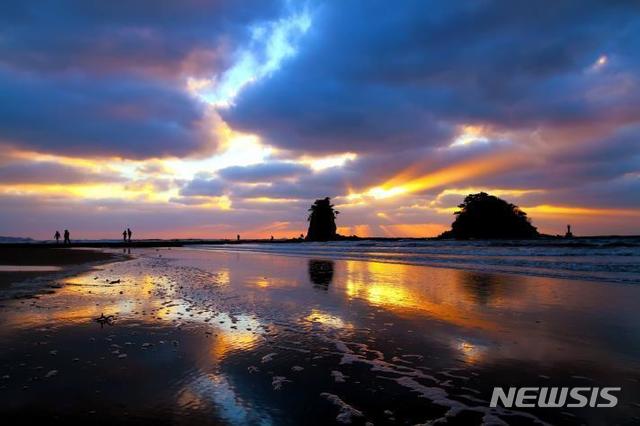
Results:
329 182
115 117
396 86
202 186
163 39
87 78
554 163
615 193
154 184
553 94
44 172
192 200
370 77
264 172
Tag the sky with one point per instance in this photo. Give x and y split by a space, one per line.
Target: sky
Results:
211 118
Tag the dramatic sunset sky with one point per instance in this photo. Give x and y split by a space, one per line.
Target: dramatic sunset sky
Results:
200 118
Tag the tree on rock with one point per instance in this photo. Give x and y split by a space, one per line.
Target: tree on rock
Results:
484 216
322 221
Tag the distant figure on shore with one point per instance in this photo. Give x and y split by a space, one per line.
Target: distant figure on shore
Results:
272 238
124 236
57 237
569 234
484 216
238 237
322 221
67 240
129 234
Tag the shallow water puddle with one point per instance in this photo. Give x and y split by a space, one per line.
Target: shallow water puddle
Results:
29 268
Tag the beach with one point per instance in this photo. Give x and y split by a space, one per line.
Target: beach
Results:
27 271
255 335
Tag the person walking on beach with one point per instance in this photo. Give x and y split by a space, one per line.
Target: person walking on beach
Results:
124 236
57 237
129 234
67 240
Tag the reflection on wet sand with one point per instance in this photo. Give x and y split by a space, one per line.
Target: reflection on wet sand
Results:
321 273
248 338
28 268
327 319
393 286
532 317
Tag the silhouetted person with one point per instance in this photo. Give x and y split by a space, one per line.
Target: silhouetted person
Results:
272 238
321 273
484 216
322 221
67 240
569 234
238 237
129 234
57 237
124 236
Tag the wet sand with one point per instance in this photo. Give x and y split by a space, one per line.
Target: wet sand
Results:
197 337
26 271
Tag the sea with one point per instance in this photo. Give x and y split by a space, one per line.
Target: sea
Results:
613 259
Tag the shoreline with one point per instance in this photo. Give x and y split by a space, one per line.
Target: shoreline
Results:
596 260
448 254
153 243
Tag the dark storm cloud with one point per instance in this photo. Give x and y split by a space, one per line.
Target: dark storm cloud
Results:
204 186
117 116
154 37
573 165
108 78
616 193
264 172
51 173
327 183
277 180
369 76
191 200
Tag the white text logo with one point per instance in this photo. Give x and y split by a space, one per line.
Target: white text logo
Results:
547 397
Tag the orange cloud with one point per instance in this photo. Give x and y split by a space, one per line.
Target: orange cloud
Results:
409 181
549 210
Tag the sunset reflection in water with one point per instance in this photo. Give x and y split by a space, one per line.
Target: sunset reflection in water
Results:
234 335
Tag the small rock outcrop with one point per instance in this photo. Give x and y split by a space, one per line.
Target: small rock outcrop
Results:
484 216
322 221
